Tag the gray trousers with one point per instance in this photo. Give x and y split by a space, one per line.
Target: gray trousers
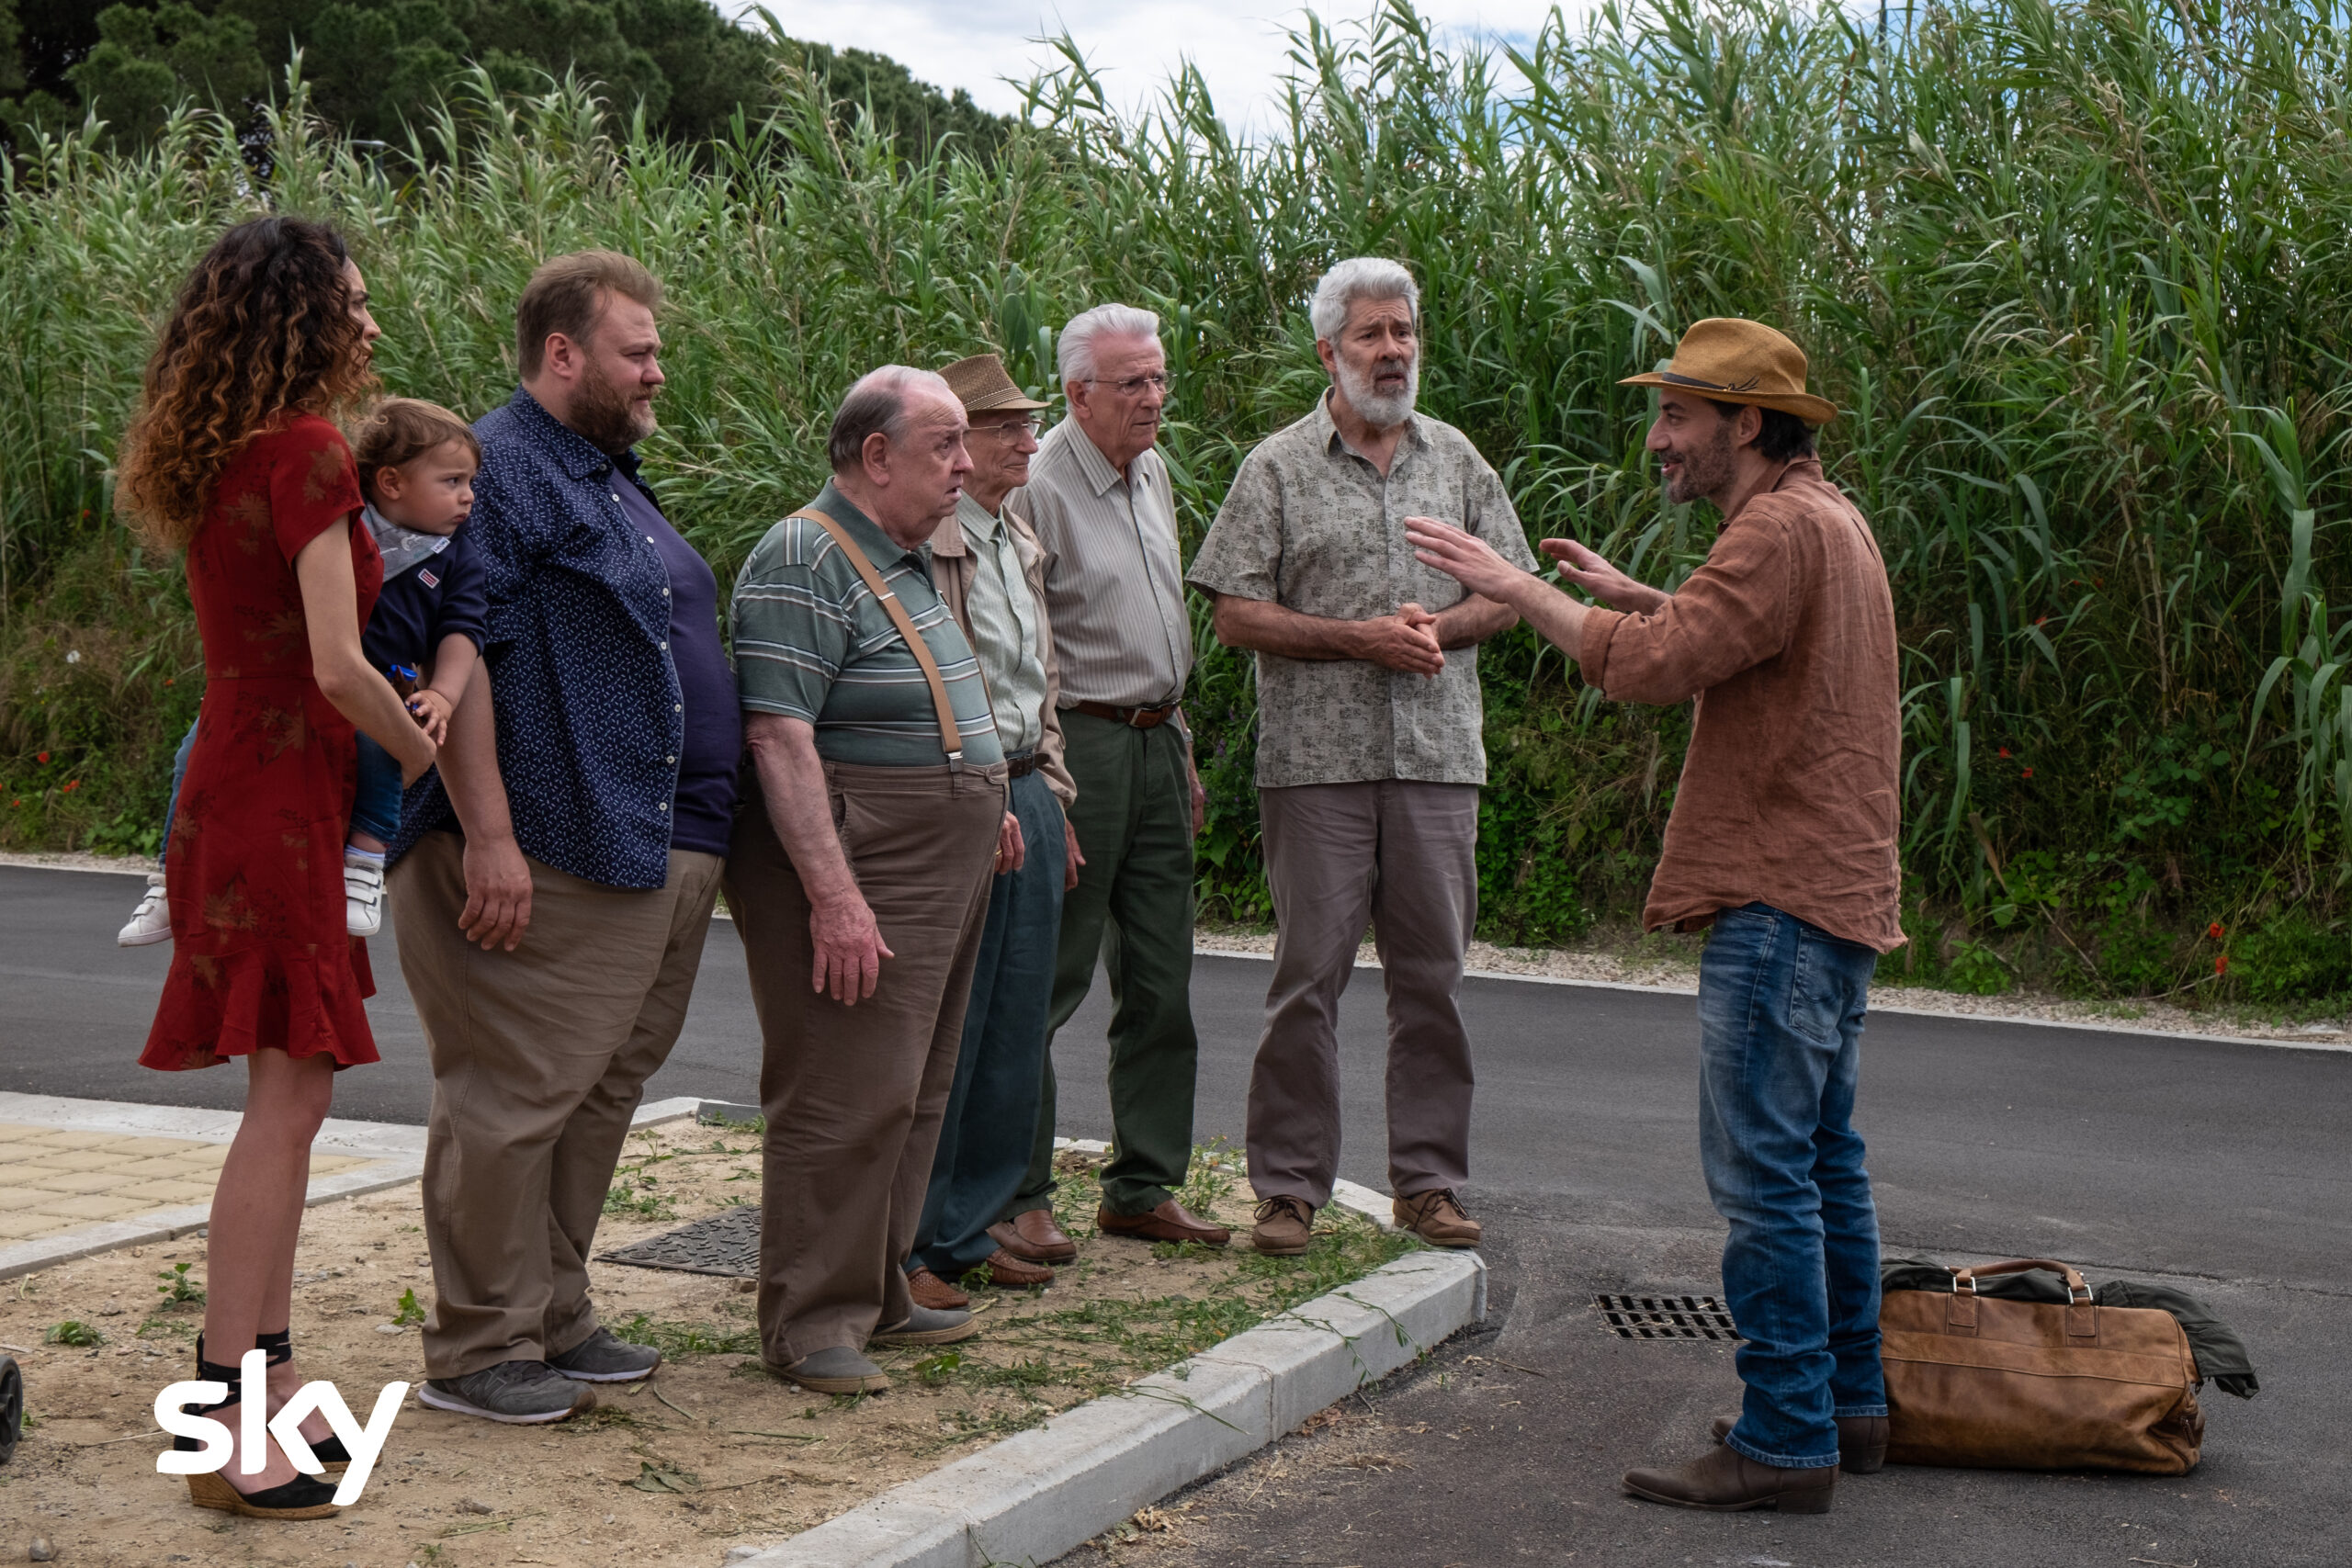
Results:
1399 855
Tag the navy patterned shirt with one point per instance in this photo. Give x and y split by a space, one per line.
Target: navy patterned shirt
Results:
592 716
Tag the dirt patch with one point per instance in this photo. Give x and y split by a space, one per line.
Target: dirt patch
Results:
710 1453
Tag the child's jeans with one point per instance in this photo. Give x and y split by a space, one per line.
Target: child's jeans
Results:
375 808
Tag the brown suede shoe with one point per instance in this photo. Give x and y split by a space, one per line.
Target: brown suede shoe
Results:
930 1291
1010 1273
1438 1218
1285 1226
1861 1441
1725 1481
1170 1222
1032 1237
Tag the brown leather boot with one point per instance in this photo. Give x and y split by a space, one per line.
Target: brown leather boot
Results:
1437 1217
1725 1481
1861 1441
930 1291
1032 1237
1170 1222
1284 1229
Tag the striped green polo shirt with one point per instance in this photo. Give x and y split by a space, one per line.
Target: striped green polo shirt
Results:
812 643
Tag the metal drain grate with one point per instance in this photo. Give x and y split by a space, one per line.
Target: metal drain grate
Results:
726 1243
1665 1317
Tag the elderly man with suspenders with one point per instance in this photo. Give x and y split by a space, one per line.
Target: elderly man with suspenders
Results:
875 819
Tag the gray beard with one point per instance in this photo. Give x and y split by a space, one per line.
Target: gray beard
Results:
1380 412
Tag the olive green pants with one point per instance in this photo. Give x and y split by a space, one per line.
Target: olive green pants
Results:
1132 908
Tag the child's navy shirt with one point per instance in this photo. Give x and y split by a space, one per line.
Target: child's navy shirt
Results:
445 594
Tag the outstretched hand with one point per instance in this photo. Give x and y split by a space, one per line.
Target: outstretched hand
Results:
1466 558
1586 571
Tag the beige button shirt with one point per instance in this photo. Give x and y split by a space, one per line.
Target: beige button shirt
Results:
1311 524
1115 577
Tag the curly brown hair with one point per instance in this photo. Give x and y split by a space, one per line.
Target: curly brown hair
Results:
263 329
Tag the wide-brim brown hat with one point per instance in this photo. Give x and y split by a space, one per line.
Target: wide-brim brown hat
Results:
981 385
1734 361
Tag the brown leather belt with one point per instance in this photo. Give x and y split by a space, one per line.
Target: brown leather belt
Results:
1133 719
1021 764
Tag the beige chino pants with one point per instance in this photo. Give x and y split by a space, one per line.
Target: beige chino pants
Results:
1401 856
539 1059
853 1095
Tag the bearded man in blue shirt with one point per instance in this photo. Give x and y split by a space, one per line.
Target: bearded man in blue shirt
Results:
555 879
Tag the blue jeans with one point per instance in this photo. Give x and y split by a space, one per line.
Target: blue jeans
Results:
376 804
1781 1006
991 1116
172 801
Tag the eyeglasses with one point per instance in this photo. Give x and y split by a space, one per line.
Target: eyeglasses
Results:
1007 430
1134 385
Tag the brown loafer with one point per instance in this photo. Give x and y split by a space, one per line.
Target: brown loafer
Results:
1285 1227
1861 1441
1032 1237
1170 1222
930 1291
1437 1217
1724 1480
1010 1273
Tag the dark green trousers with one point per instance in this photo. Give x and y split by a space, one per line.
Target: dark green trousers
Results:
1132 907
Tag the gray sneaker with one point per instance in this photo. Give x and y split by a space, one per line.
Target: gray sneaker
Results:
521 1392
837 1368
927 1326
605 1357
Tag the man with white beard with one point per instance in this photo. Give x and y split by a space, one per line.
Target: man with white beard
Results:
1368 751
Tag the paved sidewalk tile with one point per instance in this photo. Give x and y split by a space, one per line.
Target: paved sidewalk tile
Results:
57 1177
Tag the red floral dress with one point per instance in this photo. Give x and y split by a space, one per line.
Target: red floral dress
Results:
261 959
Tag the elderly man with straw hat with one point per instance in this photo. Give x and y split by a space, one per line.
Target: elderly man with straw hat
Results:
990 571
1783 841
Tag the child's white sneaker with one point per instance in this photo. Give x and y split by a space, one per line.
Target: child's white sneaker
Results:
152 921
363 896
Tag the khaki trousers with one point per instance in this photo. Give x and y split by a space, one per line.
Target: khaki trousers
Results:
539 1059
1401 856
853 1095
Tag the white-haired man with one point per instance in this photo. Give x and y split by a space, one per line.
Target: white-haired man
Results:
859 875
1368 751
1098 498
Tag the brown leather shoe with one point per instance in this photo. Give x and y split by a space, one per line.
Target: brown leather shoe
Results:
1284 1229
1725 1481
930 1291
1170 1222
1861 1441
1437 1217
1010 1273
1032 1237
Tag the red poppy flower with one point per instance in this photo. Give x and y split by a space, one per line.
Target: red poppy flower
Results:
2217 931
73 784
2005 751
41 757
2220 963
2027 773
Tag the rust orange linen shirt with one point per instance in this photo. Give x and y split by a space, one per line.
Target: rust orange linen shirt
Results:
1785 639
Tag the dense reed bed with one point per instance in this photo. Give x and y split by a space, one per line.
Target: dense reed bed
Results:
2075 270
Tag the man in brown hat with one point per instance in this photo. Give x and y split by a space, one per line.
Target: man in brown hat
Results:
1782 840
989 569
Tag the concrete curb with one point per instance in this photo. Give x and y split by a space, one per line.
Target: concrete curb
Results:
395 1156
1037 1495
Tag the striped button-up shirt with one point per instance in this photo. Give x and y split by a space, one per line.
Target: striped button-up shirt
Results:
1115 575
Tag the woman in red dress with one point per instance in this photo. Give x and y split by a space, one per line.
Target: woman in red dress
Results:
232 459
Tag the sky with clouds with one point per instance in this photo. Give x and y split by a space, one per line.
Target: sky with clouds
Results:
1238 45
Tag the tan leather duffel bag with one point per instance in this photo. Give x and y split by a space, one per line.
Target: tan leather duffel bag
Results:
2030 1385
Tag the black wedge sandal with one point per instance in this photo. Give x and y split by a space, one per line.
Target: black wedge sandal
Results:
331 1454
304 1497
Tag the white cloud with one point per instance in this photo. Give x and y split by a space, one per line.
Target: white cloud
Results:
1238 45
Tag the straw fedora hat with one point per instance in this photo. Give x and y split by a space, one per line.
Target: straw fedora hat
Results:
1734 361
981 385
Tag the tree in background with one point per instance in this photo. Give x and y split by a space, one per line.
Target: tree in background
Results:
376 65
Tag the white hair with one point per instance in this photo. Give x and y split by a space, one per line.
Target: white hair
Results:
878 402
1360 277
1074 355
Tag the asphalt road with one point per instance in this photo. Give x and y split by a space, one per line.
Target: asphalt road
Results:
2138 1156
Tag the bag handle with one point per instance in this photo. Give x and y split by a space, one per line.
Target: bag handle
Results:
2082 1316
951 735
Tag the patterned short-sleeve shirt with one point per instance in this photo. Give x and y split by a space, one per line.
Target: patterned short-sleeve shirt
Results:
813 643
1311 524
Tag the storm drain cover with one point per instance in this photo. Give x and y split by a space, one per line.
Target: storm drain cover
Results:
726 1243
1665 1317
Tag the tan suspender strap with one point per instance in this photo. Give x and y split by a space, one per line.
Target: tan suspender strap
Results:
951 735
